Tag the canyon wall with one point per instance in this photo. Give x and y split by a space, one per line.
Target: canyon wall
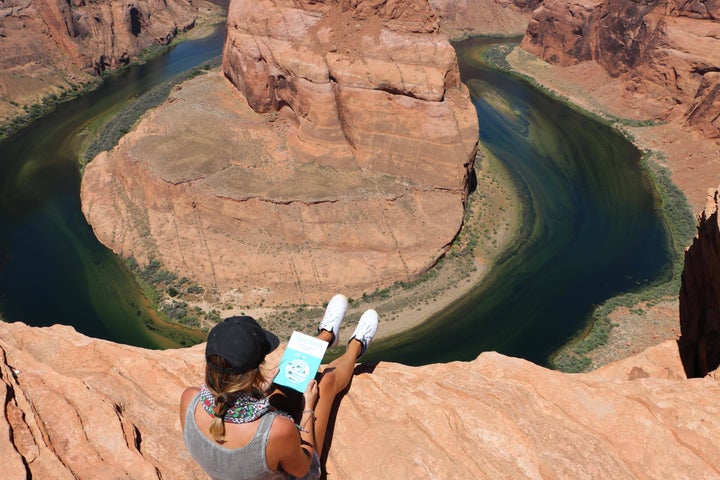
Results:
80 408
350 172
665 51
700 295
52 45
461 18
367 84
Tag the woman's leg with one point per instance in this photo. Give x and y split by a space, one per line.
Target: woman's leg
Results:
335 378
338 373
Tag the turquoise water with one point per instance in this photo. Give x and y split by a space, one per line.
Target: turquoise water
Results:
590 226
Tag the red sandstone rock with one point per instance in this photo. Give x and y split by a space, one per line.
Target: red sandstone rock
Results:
354 177
700 295
459 18
661 50
86 409
205 186
49 45
374 82
704 113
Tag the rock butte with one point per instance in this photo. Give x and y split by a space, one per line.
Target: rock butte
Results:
338 157
74 406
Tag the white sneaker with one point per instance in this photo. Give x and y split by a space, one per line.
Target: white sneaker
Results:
334 314
366 328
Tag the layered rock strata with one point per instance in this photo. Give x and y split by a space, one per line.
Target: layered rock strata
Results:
667 51
350 174
369 85
75 407
50 45
461 18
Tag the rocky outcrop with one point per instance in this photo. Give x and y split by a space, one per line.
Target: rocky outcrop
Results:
664 50
49 45
704 113
700 295
461 18
351 174
75 407
369 84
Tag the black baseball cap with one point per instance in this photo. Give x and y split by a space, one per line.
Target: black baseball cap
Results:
242 342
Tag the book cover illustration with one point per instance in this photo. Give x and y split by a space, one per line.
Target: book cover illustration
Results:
301 361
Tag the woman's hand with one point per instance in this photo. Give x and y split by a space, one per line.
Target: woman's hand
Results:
311 394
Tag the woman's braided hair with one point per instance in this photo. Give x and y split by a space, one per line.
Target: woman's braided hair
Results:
226 387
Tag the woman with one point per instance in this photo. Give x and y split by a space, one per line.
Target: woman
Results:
230 427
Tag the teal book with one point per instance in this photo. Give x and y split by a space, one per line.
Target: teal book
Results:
301 361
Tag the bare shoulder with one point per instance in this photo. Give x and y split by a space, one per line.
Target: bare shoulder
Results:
283 426
283 442
187 395
185 399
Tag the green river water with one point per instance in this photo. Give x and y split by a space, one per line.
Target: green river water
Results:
590 226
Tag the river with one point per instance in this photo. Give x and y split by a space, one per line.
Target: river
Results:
52 268
590 227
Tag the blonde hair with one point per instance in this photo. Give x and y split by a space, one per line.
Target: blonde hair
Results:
226 387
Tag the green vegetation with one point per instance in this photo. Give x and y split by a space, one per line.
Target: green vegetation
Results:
46 105
496 56
172 296
681 225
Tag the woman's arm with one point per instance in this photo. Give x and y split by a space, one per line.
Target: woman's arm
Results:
294 452
289 451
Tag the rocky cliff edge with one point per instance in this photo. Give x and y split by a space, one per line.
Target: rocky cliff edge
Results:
79 408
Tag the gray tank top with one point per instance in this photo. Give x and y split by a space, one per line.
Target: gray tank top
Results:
223 463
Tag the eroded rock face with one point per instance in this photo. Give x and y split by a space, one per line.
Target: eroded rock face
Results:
665 50
86 409
700 295
92 36
704 113
369 84
461 18
49 44
351 174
